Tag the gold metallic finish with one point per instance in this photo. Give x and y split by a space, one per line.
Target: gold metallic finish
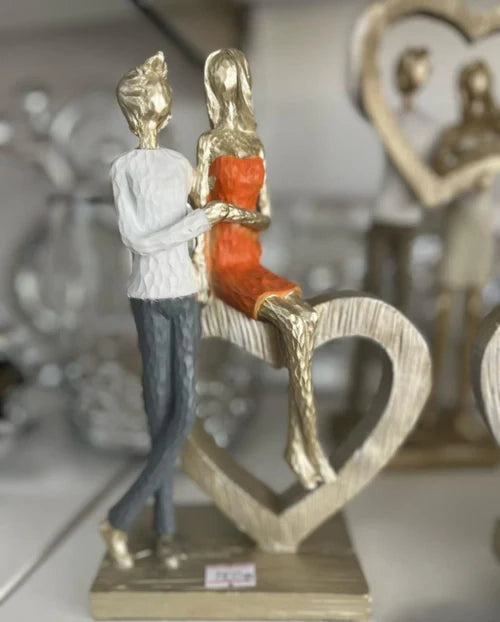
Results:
255 220
230 108
323 582
145 98
303 452
279 523
412 72
477 133
170 551
117 545
431 188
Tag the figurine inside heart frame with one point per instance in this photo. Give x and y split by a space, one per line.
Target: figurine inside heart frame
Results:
430 188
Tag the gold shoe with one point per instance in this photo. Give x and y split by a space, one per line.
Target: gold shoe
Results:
299 463
117 545
327 472
170 552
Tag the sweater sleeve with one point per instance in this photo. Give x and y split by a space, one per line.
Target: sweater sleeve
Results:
133 232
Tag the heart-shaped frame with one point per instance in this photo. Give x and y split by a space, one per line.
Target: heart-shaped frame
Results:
486 370
430 188
282 522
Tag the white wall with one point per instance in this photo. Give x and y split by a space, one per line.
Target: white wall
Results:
39 13
316 141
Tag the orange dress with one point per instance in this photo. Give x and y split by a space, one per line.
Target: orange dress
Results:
233 250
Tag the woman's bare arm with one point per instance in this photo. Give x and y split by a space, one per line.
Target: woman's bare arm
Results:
264 203
200 187
249 218
198 197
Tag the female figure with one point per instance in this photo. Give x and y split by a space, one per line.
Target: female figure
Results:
468 243
231 165
151 187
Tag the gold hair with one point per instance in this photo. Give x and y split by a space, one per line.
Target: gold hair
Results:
132 90
406 81
243 98
475 104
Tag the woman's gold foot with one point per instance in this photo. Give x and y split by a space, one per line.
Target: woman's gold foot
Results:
326 470
322 464
170 551
302 467
117 545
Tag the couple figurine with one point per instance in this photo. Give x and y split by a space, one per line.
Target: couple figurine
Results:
467 221
153 188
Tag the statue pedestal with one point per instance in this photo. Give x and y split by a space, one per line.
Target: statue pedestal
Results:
323 581
444 446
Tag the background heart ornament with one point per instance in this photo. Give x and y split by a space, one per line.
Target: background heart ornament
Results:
430 188
280 523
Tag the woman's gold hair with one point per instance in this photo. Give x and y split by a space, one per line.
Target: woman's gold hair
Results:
474 104
243 96
404 75
131 91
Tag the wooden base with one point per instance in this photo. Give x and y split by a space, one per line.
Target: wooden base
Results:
444 447
322 582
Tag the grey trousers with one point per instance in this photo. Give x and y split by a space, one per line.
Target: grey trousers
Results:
168 333
393 243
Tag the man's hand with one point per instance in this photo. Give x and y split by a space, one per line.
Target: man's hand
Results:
216 211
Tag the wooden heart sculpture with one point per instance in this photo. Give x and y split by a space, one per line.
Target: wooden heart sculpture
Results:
486 370
281 522
430 188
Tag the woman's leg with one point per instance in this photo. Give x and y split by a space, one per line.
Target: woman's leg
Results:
296 322
295 453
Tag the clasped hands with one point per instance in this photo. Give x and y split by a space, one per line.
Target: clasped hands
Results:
216 211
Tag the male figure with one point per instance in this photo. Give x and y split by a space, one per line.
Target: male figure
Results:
151 187
398 214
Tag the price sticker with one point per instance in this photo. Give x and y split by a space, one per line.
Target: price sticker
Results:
223 576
